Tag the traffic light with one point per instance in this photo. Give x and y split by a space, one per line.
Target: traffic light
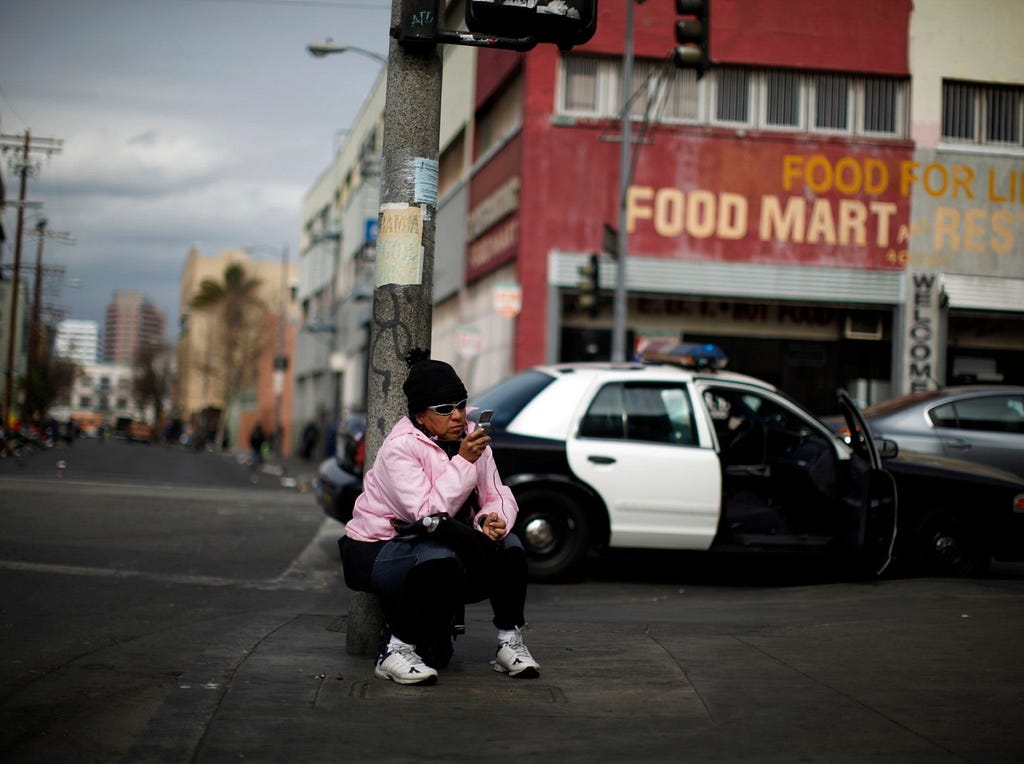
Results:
693 33
563 22
590 286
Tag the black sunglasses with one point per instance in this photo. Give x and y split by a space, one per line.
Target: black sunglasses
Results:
447 409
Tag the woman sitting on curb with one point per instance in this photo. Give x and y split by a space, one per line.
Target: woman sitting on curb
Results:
433 470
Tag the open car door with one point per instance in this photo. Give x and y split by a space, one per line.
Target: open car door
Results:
871 497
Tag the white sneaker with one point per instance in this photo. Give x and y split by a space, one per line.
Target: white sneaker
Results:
514 658
401 664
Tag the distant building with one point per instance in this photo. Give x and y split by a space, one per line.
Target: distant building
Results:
105 389
132 323
78 341
201 371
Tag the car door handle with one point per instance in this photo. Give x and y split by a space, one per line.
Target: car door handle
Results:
601 459
959 444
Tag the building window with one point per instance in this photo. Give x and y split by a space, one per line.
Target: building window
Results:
579 84
767 99
782 99
832 102
881 102
501 118
732 91
982 114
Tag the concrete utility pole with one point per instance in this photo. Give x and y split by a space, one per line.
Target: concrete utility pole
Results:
24 168
404 268
619 303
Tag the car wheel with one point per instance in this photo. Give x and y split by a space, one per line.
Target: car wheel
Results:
555 531
946 545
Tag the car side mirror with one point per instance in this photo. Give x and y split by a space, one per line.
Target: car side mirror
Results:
887 449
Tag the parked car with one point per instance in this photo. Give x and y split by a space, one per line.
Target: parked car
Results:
976 423
677 453
339 478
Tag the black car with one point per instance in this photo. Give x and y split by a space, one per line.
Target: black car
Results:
680 454
339 478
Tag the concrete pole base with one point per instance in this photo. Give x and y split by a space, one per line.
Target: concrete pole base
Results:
365 624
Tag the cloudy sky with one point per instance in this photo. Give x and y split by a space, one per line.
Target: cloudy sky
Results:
185 123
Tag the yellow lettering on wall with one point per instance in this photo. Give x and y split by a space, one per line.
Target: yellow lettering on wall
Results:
876 176
975 229
883 212
733 216
937 180
792 165
947 228
700 214
822 226
638 206
1002 234
668 211
963 177
782 225
908 175
853 216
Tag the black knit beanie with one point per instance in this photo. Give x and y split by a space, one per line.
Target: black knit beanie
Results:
431 382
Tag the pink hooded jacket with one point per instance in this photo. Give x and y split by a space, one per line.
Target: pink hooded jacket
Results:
412 477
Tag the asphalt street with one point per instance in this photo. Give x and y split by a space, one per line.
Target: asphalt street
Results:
169 607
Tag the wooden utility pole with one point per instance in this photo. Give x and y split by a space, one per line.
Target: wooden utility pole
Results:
24 167
35 332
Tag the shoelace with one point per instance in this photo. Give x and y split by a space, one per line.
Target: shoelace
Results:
519 647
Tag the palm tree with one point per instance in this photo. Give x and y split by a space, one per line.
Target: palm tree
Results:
235 338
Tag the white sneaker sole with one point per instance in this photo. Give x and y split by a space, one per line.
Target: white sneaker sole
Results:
425 679
526 672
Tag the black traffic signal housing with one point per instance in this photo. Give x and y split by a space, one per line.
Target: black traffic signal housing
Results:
590 285
563 22
693 33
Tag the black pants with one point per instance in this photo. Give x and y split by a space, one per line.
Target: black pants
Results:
421 583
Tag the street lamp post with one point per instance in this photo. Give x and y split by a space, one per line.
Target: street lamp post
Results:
281 358
328 47
281 361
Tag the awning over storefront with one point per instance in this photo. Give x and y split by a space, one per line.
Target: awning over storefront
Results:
738 280
984 292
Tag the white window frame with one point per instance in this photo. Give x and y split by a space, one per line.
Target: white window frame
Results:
978 95
608 95
813 94
714 92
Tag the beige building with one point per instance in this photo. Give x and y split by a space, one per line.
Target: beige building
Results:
201 376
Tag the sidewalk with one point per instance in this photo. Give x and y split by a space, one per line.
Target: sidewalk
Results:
291 470
915 671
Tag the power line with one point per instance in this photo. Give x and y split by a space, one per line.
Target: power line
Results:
367 6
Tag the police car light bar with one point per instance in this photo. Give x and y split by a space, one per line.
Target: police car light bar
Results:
690 355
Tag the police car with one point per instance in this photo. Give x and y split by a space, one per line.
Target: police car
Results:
674 452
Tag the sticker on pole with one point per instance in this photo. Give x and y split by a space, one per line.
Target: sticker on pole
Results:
399 245
508 299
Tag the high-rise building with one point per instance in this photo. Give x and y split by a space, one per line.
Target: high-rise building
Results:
78 341
132 323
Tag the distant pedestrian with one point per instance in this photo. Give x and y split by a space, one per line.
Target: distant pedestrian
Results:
310 435
256 438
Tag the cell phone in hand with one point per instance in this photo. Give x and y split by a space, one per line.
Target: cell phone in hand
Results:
485 419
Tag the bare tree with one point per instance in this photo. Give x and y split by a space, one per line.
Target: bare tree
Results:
235 336
150 383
